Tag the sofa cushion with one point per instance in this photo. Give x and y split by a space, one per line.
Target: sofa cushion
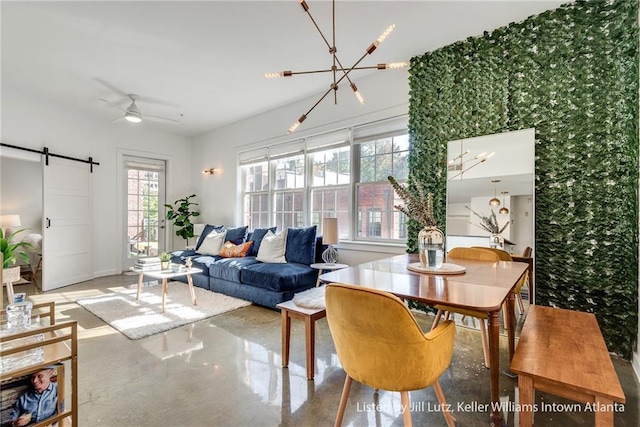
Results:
230 268
301 245
237 235
257 235
205 232
203 262
212 244
273 247
229 250
279 277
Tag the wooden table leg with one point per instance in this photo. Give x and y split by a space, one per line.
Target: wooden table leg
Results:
494 362
525 393
310 338
318 281
511 324
603 418
193 292
286 335
164 292
139 285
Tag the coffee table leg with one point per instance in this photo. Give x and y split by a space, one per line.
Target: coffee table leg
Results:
164 291
139 285
193 293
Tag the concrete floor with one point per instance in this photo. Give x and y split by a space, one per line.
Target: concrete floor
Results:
226 371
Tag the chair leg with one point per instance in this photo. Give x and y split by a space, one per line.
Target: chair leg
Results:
485 342
406 408
343 401
436 320
443 404
520 303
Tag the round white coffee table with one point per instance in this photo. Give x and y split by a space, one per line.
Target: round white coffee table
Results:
322 266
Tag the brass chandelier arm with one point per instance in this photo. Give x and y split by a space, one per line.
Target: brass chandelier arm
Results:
337 66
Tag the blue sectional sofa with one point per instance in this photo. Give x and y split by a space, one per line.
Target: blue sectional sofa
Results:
266 284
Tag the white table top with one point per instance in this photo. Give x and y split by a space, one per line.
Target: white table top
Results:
167 274
327 266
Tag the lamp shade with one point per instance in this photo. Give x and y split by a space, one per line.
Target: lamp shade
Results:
10 221
329 231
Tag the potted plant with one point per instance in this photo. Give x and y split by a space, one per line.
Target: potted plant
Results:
165 260
11 252
180 213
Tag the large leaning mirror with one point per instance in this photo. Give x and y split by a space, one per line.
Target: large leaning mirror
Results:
491 175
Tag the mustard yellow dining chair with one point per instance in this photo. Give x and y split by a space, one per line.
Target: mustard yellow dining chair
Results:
480 254
380 344
517 290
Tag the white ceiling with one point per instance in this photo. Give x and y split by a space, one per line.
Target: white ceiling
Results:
202 62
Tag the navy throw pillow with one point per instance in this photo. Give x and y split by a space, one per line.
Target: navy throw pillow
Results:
257 235
301 245
237 235
208 229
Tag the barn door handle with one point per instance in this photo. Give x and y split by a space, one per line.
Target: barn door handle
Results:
48 223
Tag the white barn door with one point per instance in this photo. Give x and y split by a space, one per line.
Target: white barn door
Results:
67 206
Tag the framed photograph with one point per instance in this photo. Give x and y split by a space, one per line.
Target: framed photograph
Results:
32 398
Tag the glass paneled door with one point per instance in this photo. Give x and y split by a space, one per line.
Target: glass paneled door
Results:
144 216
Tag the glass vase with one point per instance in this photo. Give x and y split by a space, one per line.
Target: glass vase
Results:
431 247
496 241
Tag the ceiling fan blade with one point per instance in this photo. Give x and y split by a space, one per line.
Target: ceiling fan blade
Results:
160 120
118 120
111 104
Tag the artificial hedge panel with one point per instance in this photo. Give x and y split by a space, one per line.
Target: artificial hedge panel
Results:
572 73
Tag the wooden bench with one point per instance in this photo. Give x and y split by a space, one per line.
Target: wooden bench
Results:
562 352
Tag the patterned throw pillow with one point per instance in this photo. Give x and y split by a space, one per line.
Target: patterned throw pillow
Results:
229 250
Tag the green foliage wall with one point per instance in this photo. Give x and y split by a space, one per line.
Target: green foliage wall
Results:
572 73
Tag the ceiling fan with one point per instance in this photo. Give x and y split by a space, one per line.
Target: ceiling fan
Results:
132 113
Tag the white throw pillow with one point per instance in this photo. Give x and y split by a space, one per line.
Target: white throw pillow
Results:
272 248
212 244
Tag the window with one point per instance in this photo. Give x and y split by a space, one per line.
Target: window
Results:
298 183
380 158
289 192
255 178
330 181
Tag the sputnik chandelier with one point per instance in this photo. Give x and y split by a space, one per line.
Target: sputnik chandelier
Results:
338 71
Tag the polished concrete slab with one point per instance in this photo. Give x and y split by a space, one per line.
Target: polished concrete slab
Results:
226 371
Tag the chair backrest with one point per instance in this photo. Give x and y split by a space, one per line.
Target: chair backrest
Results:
503 255
380 344
527 252
473 253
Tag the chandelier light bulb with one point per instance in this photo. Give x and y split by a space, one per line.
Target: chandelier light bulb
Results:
395 65
297 124
385 34
356 92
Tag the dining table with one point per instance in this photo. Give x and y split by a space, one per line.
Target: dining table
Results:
478 285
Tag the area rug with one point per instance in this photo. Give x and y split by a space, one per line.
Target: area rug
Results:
141 318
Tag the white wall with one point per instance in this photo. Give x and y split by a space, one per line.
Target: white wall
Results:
386 95
36 123
21 190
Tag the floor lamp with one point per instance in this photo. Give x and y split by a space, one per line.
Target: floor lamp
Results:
330 237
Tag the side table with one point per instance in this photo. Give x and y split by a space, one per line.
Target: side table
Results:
322 266
309 315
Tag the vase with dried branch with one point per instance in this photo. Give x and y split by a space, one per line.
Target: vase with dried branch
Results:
419 207
490 224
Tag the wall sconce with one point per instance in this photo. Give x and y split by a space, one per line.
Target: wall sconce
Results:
210 171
